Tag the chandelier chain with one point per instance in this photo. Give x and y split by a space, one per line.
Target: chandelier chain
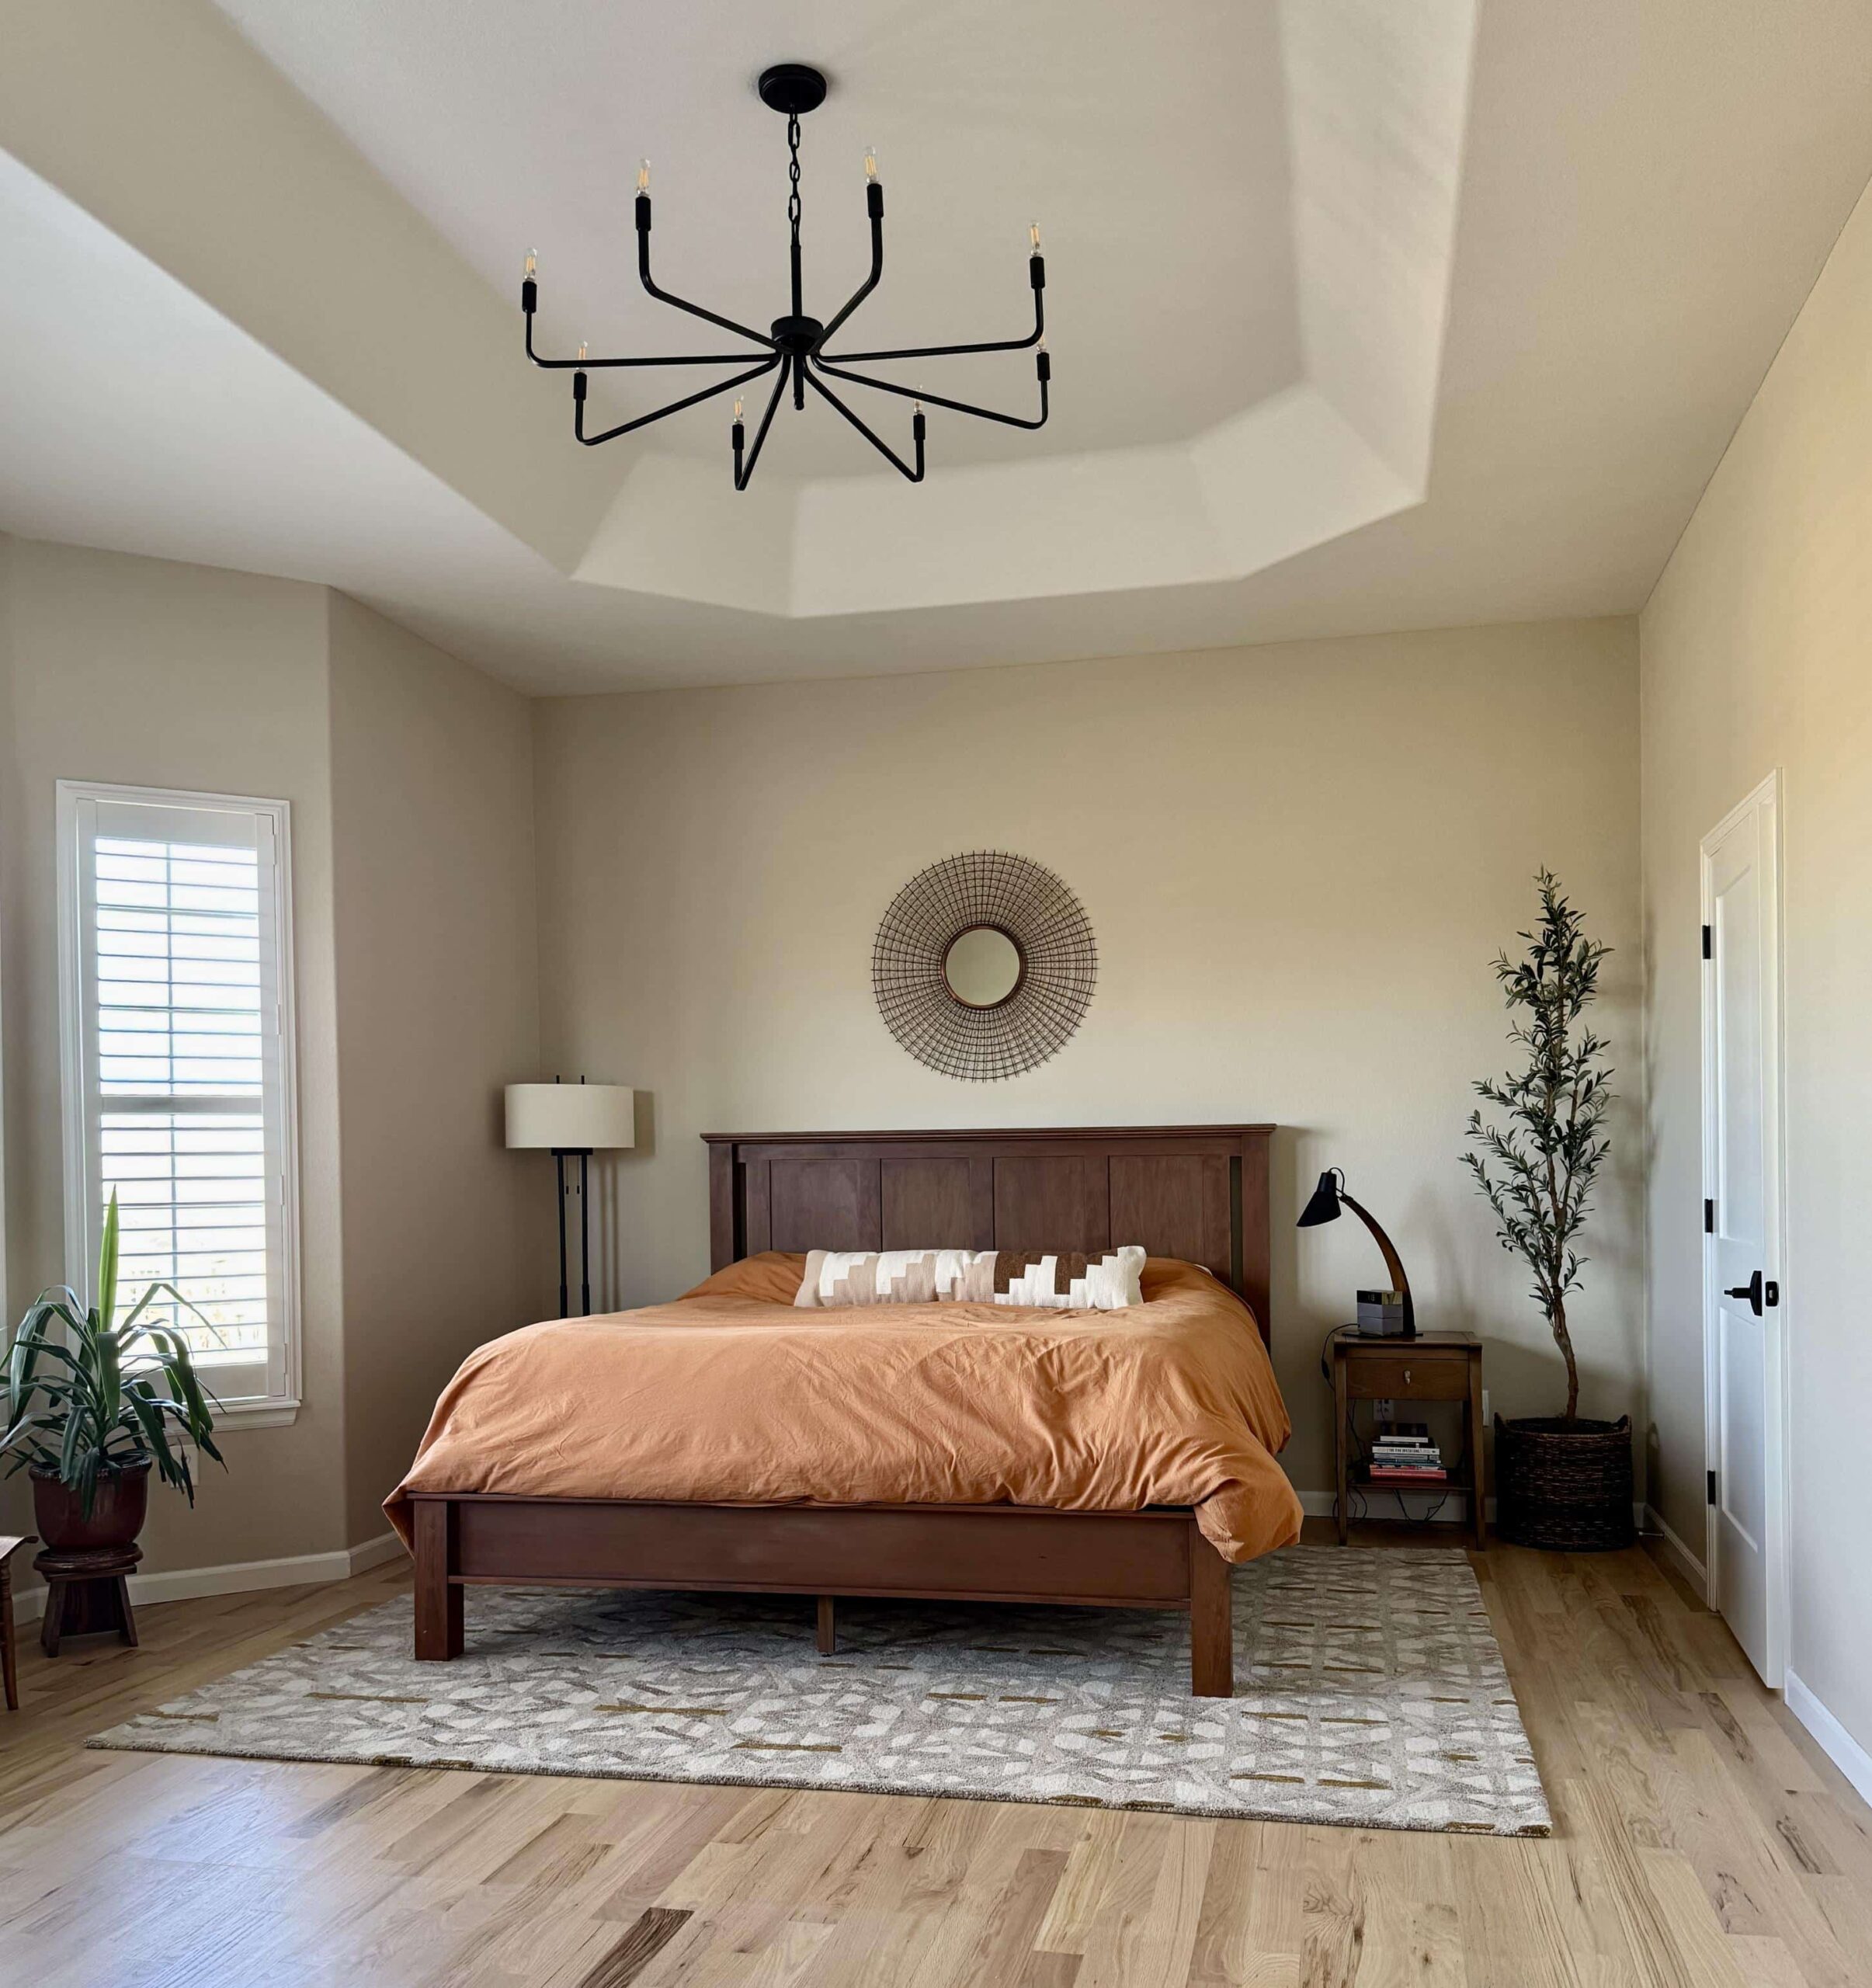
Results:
793 173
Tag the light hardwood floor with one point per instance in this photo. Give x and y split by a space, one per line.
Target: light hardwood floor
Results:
1702 1841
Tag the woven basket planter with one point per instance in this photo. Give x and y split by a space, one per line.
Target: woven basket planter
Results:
1566 1489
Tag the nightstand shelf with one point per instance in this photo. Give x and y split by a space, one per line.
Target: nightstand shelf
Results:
1362 1481
1433 1366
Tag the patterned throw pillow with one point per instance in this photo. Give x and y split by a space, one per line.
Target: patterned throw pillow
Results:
835 1277
1063 1281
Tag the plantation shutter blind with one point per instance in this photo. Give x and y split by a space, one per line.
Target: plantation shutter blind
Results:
180 961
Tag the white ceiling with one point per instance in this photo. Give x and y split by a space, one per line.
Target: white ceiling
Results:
1153 151
1365 318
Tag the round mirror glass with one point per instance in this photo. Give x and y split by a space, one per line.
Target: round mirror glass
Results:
982 966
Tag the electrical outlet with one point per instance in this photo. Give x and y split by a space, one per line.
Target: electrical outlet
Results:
1383 1410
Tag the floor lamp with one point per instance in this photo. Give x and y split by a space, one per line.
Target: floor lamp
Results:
572 1121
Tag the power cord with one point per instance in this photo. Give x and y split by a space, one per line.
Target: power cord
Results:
1325 1351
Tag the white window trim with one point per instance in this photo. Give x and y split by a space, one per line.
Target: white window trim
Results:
268 1411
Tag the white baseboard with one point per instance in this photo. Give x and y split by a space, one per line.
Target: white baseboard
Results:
1687 1564
1839 1745
238 1576
374 1552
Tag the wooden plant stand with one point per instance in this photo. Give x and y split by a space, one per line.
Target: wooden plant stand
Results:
87 1593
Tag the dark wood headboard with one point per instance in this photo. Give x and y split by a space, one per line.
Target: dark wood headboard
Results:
1199 1192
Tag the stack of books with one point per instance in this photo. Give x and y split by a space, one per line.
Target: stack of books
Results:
1402 1453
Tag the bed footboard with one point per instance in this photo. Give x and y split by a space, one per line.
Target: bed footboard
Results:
1150 1559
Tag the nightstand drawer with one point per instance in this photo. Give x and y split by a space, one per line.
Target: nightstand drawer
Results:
1416 1377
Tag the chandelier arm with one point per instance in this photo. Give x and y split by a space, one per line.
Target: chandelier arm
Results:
669 297
675 406
684 358
1038 276
743 473
876 441
875 201
1042 367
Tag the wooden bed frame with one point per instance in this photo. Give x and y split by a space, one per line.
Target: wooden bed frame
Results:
1200 1192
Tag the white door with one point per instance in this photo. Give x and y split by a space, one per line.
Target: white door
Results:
1743 1320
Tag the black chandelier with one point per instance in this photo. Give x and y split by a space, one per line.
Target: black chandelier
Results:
795 343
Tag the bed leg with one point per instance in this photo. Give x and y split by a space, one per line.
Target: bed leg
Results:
1212 1644
828 1627
438 1598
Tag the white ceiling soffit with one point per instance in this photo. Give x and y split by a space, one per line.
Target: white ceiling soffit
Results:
133 415
1366 317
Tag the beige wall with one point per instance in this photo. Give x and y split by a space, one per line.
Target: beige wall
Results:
15 1501
1299 861
1757 653
410 779
431 806
155 674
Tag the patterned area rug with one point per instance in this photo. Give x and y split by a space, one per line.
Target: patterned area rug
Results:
1369 1691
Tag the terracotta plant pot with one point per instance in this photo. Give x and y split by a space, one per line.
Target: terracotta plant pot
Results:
1564 1487
116 1511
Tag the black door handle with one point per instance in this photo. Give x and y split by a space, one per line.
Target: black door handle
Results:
1752 1290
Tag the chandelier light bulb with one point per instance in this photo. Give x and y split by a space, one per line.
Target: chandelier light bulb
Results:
870 161
737 406
1033 235
643 175
582 349
530 268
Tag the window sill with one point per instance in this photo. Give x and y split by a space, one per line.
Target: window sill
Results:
279 1414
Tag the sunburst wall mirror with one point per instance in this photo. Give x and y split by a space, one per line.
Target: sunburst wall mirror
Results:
984 965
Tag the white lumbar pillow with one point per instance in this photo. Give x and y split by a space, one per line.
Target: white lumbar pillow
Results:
1062 1281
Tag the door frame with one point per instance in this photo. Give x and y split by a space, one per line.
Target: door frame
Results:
1767 797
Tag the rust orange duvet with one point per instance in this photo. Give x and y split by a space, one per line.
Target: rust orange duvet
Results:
733 1396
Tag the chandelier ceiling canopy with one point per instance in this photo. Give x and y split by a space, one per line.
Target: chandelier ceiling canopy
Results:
794 347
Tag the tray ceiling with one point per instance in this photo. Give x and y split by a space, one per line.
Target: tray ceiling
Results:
1363 317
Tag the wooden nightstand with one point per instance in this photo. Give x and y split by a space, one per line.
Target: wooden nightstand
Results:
1431 1367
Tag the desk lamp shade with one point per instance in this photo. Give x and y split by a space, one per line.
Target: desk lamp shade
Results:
1323 1206
572 1117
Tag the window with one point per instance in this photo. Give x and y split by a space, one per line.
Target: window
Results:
175 928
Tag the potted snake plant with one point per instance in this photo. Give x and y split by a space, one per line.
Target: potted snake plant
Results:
92 1401
1562 1481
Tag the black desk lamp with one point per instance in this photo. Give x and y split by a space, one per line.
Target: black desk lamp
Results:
1329 1197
